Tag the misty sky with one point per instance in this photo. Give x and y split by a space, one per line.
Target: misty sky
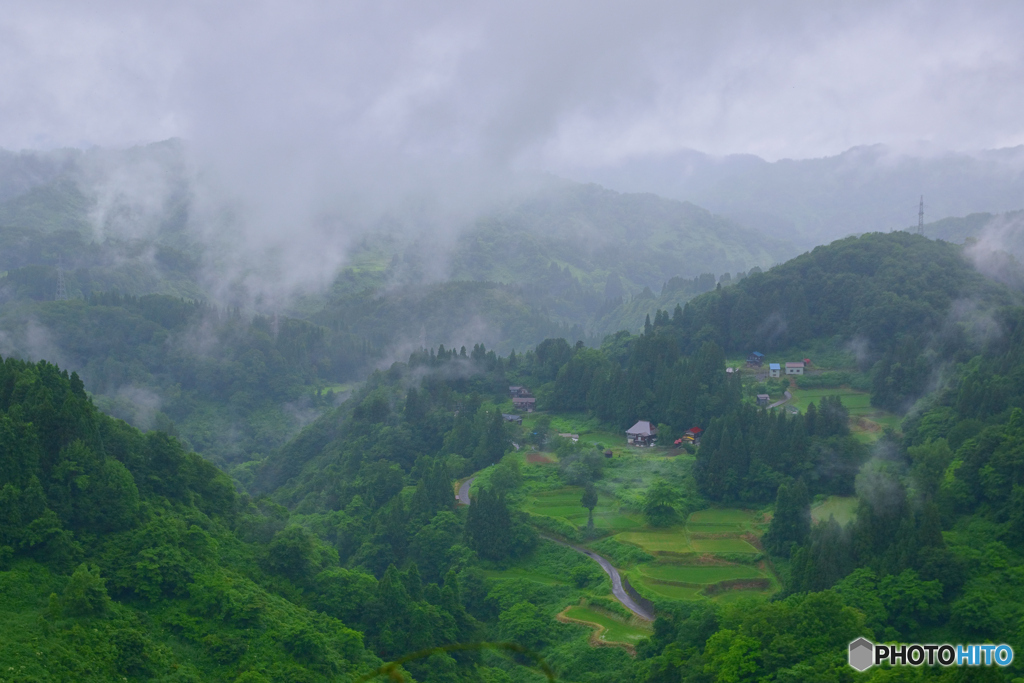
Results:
526 84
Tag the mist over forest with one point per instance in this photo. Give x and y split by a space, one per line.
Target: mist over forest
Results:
671 343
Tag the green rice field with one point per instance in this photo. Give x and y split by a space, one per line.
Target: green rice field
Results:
666 590
615 631
843 508
720 516
699 573
669 540
722 545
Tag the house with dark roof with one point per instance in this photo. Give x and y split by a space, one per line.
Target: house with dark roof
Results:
763 399
518 419
526 403
643 433
755 359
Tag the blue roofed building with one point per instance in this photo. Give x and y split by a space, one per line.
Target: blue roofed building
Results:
775 370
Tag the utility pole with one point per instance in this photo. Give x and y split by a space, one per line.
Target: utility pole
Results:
62 289
920 217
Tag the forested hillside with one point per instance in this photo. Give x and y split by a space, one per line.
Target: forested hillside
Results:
123 555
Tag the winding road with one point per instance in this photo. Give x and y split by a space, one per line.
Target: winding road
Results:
617 590
786 397
464 491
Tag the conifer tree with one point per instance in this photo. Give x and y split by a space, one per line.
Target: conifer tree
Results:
589 501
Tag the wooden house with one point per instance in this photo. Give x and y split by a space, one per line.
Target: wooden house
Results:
643 433
525 403
518 419
572 437
519 392
755 359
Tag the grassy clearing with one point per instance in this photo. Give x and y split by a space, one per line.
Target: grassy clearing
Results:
843 508
867 422
565 504
699 573
728 597
521 573
610 629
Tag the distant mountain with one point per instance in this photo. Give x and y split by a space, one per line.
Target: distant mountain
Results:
642 239
812 201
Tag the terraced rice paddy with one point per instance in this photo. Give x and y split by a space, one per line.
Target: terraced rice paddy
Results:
682 552
609 629
702 574
722 545
655 542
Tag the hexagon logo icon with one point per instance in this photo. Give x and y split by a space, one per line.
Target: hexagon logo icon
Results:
861 654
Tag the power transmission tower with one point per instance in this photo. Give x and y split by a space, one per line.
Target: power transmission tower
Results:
62 289
920 217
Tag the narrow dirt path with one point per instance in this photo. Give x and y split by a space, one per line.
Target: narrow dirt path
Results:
617 590
786 397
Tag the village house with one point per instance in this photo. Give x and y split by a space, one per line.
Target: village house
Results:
763 399
795 368
774 370
526 403
519 392
643 433
512 418
755 359
572 437
692 435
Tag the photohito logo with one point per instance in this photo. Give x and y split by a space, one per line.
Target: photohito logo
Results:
864 654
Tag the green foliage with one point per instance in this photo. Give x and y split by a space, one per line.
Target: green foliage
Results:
85 594
659 504
791 523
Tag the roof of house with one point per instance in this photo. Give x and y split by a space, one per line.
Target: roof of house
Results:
525 399
774 366
642 428
763 397
513 388
795 364
757 353
695 430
